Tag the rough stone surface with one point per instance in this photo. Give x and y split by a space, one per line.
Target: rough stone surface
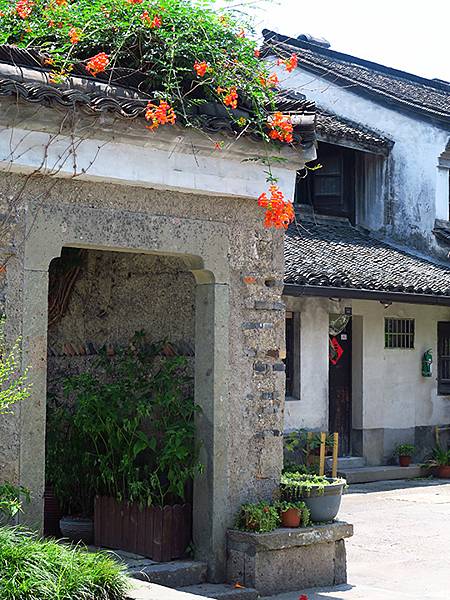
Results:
242 450
175 574
289 559
222 592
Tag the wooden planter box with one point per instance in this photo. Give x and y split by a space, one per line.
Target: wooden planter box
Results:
162 534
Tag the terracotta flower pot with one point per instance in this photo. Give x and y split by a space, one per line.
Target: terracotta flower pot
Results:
291 517
443 471
404 460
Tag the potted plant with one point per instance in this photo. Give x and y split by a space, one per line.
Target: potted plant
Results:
293 514
135 413
70 474
404 453
441 460
258 517
322 495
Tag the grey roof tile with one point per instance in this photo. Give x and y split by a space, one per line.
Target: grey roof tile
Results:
426 97
336 254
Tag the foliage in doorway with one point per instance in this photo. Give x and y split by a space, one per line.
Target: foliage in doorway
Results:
130 426
36 569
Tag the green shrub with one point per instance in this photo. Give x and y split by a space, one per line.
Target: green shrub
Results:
258 518
35 569
404 450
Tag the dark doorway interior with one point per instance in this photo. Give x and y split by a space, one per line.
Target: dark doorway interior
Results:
340 383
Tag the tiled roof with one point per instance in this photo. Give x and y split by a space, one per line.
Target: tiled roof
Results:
334 127
427 97
22 75
332 253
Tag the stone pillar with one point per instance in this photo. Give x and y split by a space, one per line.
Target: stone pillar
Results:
211 497
33 410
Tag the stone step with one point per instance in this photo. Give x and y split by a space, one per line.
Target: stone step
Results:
347 462
383 473
176 574
221 591
142 590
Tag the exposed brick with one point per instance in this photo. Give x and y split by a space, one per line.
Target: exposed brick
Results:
273 353
249 279
257 325
267 305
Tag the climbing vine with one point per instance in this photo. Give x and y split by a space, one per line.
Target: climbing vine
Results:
180 54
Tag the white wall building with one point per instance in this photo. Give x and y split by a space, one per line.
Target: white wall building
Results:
367 274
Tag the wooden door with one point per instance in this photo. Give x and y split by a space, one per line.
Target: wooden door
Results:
340 387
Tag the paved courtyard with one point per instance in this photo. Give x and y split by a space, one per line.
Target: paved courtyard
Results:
401 546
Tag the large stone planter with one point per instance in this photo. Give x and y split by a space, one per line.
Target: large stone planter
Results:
286 560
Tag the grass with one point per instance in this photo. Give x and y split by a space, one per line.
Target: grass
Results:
36 569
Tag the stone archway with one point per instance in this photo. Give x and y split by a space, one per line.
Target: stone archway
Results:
205 256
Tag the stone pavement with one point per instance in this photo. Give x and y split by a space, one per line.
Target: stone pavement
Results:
401 545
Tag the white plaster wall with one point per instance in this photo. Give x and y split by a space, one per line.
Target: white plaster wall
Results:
395 394
391 392
413 160
311 409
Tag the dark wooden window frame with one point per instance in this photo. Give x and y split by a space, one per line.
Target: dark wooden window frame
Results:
341 204
292 360
443 359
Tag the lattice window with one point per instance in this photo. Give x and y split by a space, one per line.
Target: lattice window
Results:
399 333
444 357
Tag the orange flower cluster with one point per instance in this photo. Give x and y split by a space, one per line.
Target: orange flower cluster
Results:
159 115
231 97
290 63
156 23
74 35
134 1
200 68
97 64
61 2
271 82
24 8
279 212
280 127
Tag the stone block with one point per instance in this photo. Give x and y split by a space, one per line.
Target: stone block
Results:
289 559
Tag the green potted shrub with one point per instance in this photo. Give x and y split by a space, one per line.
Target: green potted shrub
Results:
258 517
441 460
135 414
322 495
405 453
293 514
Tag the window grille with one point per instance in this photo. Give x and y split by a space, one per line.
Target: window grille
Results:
399 333
444 357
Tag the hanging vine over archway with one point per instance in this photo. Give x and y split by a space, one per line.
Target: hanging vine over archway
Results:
180 54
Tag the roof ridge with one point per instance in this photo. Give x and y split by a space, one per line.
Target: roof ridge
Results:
438 84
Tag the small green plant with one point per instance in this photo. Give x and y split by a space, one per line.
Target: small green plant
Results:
404 450
14 387
260 518
32 569
295 485
284 505
129 433
12 498
441 457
